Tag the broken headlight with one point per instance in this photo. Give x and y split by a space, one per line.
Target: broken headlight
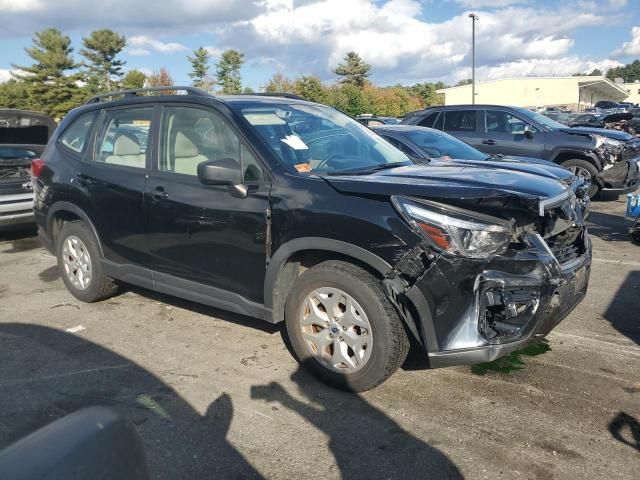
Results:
609 149
456 231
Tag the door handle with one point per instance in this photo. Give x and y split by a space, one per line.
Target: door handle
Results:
158 193
489 142
85 179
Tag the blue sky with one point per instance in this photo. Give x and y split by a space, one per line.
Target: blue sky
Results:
405 41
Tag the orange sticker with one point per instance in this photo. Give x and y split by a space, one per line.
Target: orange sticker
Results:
303 167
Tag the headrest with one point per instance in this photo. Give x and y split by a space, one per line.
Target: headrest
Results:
184 146
126 145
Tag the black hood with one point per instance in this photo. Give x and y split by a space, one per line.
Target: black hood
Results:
534 166
456 181
614 134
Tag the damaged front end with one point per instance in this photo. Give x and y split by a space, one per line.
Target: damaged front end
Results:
620 162
478 287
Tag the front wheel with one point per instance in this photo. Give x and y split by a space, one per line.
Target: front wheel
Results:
343 328
584 170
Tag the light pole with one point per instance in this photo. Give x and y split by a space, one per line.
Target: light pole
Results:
473 18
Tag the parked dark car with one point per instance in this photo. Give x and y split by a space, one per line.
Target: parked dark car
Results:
23 136
286 210
614 121
606 158
371 120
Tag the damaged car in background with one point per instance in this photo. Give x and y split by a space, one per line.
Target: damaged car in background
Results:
608 159
23 136
290 211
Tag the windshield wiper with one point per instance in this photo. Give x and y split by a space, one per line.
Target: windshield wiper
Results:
367 171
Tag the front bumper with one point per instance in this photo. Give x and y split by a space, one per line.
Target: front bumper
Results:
16 209
623 177
472 312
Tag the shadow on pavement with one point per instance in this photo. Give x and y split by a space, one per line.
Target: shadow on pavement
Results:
365 442
22 240
46 374
610 228
623 311
622 422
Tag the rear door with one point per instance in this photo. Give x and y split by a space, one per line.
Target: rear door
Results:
504 133
206 233
114 178
463 124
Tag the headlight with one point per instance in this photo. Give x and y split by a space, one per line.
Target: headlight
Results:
456 231
602 140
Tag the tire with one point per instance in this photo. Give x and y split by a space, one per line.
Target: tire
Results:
577 164
98 286
384 345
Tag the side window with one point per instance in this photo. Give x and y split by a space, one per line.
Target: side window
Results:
497 121
124 137
76 136
191 136
429 120
460 121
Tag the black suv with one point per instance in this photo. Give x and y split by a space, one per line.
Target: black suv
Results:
609 159
287 210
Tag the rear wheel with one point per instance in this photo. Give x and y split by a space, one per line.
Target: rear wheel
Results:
585 170
79 263
343 328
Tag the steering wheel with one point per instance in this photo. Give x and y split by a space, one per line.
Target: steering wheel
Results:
326 161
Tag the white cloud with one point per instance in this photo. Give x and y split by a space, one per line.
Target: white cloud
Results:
12 6
4 75
632 47
399 44
143 45
489 3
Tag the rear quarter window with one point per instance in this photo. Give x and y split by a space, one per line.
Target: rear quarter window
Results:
76 136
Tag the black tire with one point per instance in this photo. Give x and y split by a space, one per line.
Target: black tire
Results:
390 340
100 286
594 188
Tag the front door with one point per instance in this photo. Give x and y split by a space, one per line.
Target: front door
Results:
207 234
505 133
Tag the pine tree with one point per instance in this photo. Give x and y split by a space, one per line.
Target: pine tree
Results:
354 71
134 79
101 49
200 68
228 71
51 87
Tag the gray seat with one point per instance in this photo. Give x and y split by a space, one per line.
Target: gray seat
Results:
186 155
126 151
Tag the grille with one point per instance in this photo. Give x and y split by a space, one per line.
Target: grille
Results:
566 253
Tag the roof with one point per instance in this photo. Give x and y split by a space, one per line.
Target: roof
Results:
582 81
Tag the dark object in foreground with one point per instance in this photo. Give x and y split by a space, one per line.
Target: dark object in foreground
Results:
92 443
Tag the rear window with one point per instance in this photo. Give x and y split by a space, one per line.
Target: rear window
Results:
24 128
460 121
77 134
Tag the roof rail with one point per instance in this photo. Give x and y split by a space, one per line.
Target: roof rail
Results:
135 91
292 96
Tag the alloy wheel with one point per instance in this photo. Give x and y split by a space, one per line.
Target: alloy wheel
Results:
77 262
336 330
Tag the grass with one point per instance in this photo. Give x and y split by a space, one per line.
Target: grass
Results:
512 362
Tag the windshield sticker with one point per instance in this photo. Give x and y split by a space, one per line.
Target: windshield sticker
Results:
258 119
295 142
303 167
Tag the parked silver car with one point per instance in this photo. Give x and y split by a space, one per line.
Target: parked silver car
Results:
23 136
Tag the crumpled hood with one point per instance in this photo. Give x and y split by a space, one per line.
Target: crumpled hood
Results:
453 180
614 134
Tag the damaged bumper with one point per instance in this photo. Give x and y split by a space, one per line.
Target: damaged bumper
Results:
471 312
622 177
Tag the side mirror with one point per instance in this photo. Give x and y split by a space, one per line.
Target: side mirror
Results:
224 171
528 131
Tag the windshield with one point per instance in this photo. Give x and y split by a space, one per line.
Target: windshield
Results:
319 139
436 144
541 119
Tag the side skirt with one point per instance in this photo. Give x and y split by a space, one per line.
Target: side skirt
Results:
186 289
